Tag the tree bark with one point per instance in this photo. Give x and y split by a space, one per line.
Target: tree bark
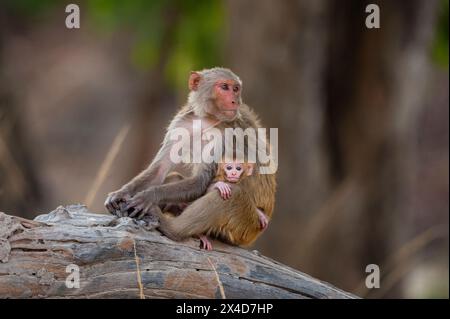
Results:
124 258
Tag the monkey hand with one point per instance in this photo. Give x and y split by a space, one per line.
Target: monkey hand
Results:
115 201
205 243
139 205
224 189
263 220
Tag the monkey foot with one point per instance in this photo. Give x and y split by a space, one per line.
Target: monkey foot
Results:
205 243
263 221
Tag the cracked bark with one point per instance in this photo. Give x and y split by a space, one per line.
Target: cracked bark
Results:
34 256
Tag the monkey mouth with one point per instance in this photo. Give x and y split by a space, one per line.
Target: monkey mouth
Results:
233 179
230 114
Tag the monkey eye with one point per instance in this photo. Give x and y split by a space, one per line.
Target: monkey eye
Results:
238 168
236 89
225 87
229 167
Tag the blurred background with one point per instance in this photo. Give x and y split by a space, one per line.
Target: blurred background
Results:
362 114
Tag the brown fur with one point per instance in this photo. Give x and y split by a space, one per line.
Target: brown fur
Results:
221 175
234 220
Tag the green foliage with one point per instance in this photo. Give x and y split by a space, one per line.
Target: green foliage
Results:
141 19
199 39
27 13
192 29
440 46
29 7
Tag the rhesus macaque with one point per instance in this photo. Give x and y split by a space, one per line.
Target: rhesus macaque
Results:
228 174
215 100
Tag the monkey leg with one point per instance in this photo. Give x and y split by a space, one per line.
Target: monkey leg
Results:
151 211
234 220
182 191
146 207
173 208
193 221
173 177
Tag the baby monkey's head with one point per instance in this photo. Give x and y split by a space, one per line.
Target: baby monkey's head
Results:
234 171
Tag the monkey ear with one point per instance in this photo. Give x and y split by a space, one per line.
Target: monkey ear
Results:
250 169
194 80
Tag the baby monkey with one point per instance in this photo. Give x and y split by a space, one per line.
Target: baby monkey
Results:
229 174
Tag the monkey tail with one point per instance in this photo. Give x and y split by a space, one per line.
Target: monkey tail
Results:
166 226
195 220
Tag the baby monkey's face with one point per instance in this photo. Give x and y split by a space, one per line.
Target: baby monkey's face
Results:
233 171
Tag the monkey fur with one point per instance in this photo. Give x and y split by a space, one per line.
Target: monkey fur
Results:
216 100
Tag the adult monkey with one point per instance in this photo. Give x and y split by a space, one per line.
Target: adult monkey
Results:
215 100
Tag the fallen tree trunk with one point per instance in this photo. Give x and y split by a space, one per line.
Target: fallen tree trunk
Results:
124 258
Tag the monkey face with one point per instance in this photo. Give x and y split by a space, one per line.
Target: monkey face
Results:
216 92
233 171
227 94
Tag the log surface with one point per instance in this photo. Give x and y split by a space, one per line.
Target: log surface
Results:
124 258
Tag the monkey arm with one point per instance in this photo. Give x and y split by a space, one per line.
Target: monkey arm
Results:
224 189
185 190
154 174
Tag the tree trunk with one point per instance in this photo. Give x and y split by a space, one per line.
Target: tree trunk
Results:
124 258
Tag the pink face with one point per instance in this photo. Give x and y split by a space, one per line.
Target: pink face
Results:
233 171
228 97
